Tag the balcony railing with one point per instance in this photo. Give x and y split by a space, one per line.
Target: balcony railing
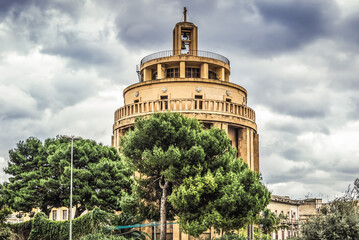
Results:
185 105
199 53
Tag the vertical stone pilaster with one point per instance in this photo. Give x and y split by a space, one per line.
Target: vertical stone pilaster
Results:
243 145
176 232
256 152
217 125
225 127
159 71
182 69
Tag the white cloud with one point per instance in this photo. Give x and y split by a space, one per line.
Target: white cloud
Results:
64 66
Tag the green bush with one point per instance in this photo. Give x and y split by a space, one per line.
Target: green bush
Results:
41 228
232 237
93 225
101 236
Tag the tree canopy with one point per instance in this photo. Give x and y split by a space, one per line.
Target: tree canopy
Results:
40 175
268 221
190 172
336 220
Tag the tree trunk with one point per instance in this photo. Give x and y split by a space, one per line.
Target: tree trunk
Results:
163 208
78 211
46 210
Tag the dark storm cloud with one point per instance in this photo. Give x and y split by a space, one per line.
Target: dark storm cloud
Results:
149 24
263 27
79 49
298 22
142 25
348 30
14 8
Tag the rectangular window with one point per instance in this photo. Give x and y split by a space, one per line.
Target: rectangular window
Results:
172 73
54 215
64 215
164 102
212 75
193 73
136 101
198 103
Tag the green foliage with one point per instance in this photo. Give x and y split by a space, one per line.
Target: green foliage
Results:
102 236
41 176
207 187
91 223
268 221
232 237
337 220
5 232
21 230
259 235
229 198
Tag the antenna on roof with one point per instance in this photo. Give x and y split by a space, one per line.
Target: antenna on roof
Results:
185 14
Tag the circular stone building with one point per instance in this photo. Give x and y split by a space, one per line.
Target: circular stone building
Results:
194 83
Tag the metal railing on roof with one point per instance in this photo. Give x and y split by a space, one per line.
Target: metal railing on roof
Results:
198 53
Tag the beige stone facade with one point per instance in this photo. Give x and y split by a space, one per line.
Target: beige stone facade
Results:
196 84
294 211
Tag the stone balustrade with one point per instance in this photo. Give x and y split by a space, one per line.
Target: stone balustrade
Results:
185 105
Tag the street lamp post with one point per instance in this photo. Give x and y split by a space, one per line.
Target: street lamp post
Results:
72 138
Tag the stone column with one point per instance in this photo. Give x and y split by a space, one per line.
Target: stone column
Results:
221 74
147 74
204 70
159 71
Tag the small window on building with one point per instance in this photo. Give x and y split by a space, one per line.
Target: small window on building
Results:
64 215
212 75
164 103
198 103
228 100
172 73
193 73
54 215
154 76
136 101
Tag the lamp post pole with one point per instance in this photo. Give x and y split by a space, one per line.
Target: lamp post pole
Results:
72 138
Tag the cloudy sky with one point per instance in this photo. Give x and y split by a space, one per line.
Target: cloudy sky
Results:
64 65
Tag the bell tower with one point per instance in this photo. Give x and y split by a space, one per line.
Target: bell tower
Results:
185 40
195 83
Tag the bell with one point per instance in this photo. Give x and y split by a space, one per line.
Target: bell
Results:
183 46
